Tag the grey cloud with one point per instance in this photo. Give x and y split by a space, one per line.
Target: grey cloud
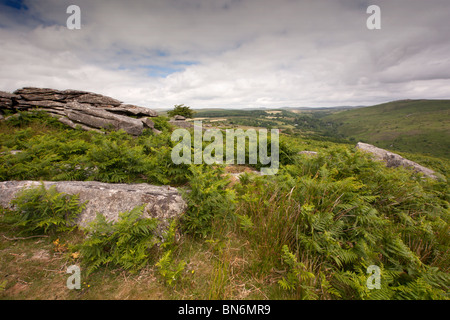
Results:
241 53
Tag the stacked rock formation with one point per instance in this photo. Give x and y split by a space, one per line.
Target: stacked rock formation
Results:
87 110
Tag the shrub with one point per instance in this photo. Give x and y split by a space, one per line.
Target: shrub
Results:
160 167
24 118
162 123
168 269
38 210
116 158
182 110
125 243
207 199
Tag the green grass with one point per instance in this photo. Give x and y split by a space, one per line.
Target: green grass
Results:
415 126
217 268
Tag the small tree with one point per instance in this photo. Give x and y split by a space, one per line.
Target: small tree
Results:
182 110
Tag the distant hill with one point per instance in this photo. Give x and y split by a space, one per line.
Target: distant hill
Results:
418 126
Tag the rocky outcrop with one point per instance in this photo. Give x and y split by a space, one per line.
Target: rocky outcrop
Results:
181 122
101 118
161 202
6 99
394 160
89 111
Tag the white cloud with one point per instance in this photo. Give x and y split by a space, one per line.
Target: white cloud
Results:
230 53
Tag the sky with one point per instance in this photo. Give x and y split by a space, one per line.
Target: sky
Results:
230 53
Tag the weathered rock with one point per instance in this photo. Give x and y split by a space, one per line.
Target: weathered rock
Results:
99 118
394 160
97 99
178 117
150 124
147 122
161 202
40 103
129 109
71 94
36 94
51 111
7 95
5 103
6 99
181 123
90 111
74 125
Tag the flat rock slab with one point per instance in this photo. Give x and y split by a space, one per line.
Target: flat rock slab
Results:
161 202
393 160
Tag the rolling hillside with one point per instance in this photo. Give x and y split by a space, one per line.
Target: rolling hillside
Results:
418 126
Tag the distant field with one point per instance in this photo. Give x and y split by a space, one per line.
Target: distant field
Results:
421 126
412 126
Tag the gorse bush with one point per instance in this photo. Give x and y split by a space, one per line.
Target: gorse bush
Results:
40 210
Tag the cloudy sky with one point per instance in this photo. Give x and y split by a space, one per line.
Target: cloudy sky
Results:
230 53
